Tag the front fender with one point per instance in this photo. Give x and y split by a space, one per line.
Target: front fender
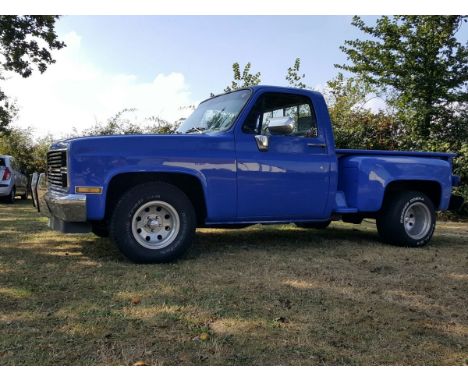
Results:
95 162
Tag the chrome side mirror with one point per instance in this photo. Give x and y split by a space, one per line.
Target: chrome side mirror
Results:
281 126
262 142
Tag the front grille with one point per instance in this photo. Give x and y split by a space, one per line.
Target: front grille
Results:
57 169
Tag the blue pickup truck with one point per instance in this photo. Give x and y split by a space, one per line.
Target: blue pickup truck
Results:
257 155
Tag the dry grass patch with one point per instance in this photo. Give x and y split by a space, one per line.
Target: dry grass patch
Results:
262 295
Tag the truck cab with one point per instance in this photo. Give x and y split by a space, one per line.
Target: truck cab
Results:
259 155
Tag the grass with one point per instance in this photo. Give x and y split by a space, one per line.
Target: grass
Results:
258 296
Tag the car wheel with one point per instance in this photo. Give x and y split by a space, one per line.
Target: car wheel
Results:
25 195
316 225
407 219
12 196
153 223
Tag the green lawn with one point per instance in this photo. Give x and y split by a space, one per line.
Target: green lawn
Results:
276 295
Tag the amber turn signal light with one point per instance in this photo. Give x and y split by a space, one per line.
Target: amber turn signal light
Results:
88 190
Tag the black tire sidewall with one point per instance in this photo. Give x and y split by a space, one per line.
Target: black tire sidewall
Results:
12 196
121 222
391 223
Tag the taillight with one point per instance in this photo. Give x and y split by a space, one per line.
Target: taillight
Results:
6 174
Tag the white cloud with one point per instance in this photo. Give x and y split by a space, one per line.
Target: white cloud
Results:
376 104
75 92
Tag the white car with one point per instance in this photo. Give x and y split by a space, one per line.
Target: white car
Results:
12 181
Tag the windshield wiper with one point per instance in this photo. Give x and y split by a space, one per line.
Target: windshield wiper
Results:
196 129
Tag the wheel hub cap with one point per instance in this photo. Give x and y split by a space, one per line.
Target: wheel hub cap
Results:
417 221
155 224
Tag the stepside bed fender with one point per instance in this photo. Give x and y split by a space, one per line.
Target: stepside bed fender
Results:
366 180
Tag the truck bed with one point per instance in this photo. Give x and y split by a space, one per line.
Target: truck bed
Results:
365 174
347 152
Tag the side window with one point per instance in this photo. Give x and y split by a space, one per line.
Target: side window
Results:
279 105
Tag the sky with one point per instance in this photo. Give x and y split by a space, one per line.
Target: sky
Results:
159 64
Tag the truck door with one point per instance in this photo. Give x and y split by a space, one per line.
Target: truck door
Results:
283 163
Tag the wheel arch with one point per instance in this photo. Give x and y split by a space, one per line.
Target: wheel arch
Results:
431 188
190 184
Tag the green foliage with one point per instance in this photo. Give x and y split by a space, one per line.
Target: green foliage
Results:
30 154
421 69
244 79
355 126
156 125
26 43
122 123
418 64
39 154
116 124
8 110
294 77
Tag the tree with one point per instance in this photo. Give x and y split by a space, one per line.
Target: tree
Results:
156 125
30 154
26 43
19 144
122 123
294 77
244 79
354 125
38 159
418 64
116 124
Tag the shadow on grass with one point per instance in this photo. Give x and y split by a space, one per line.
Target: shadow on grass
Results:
271 295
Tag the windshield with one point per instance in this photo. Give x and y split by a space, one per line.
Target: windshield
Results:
216 114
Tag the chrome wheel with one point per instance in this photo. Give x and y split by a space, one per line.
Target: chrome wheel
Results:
417 220
155 224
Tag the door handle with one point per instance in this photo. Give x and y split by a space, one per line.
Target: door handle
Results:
322 145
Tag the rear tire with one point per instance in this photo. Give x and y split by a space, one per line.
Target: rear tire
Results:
315 225
407 219
11 198
25 196
153 223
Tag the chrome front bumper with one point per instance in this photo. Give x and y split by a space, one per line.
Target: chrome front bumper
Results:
66 212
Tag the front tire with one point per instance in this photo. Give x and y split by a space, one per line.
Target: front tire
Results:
153 223
407 219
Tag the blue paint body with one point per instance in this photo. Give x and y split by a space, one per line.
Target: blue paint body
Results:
290 182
